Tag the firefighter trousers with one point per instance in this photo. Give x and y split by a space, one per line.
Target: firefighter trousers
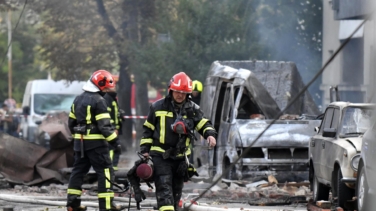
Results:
168 184
99 159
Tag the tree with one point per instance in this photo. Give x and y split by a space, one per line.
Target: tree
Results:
106 29
190 35
197 32
156 39
24 62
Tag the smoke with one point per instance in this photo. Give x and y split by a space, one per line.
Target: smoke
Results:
291 31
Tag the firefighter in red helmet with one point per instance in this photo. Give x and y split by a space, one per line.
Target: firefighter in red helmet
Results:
167 133
89 123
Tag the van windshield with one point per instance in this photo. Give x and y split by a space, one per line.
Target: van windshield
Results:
44 103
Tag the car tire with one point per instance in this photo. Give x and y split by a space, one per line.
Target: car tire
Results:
231 174
361 188
341 191
319 190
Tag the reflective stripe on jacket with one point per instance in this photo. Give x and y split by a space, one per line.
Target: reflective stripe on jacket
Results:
113 109
157 134
90 109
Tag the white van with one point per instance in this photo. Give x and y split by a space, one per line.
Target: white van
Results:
44 96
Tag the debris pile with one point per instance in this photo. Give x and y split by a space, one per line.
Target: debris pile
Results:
227 193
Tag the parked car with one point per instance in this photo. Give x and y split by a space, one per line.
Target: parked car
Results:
334 150
366 180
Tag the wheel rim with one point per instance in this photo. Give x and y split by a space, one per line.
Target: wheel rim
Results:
361 191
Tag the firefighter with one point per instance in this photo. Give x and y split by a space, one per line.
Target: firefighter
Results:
167 133
89 122
196 91
113 109
196 98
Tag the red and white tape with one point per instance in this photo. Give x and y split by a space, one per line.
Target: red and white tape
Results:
135 117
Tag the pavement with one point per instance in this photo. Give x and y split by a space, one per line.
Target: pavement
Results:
53 197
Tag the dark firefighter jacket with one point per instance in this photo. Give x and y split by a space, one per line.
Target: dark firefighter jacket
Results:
113 109
90 109
158 135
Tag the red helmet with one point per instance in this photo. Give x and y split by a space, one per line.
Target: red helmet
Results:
103 79
181 83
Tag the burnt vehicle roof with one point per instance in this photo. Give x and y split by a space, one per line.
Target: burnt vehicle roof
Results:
272 84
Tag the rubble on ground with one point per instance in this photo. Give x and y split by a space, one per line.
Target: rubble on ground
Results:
38 177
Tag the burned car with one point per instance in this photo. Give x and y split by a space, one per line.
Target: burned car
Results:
242 99
334 150
366 180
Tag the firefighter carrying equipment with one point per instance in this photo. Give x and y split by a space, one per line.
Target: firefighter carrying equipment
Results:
160 138
90 109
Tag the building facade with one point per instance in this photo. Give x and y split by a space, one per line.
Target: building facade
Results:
353 70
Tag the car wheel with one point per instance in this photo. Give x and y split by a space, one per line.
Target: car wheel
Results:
361 188
320 191
231 174
341 191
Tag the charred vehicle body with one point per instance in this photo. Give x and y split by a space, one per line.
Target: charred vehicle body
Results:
242 98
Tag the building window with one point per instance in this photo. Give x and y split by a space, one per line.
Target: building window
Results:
352 96
353 62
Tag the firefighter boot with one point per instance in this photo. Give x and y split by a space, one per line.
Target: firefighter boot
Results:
74 203
115 207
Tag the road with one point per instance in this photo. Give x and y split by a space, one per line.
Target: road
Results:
53 197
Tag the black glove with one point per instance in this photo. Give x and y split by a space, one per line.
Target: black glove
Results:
182 169
138 194
192 171
122 114
114 143
118 149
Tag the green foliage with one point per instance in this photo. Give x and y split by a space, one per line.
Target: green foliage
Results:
198 32
160 38
74 43
24 68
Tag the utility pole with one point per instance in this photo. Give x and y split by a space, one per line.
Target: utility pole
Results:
9 23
